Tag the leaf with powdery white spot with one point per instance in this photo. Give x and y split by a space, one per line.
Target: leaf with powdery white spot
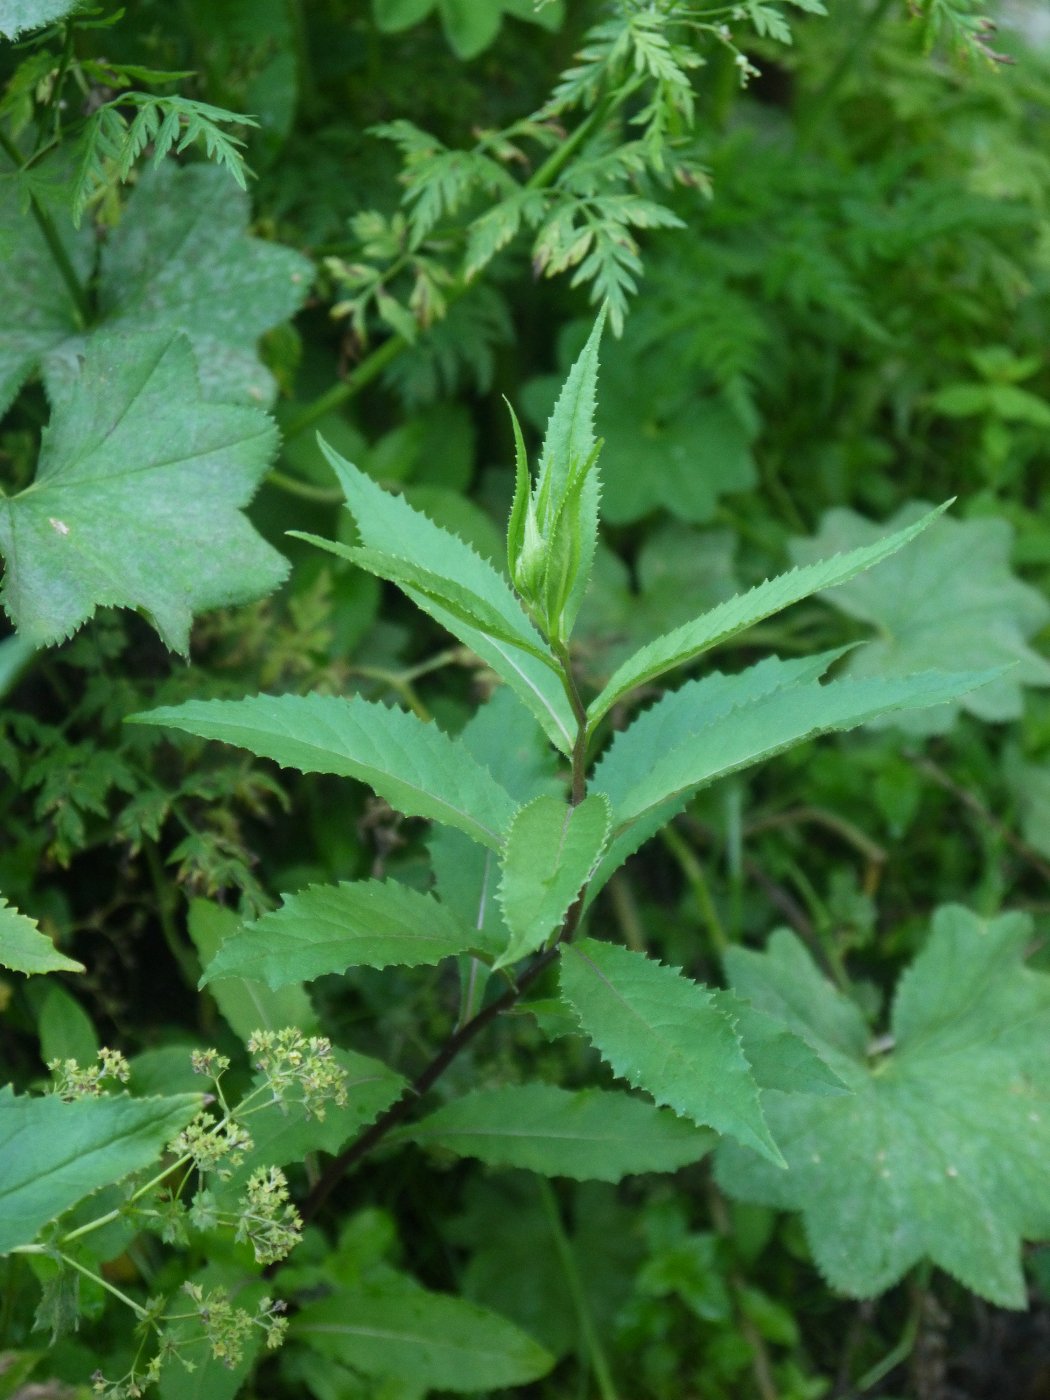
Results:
953 603
913 1163
590 1135
551 850
665 1034
138 499
388 525
737 614
53 1153
23 948
416 767
179 261
328 928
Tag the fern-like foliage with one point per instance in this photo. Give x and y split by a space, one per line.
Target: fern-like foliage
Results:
583 194
114 140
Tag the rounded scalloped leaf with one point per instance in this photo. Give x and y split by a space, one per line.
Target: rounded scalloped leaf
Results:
940 1151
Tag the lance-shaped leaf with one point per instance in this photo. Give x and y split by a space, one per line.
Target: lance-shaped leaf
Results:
328 928
396 1329
940 1151
416 767
246 1003
771 724
553 527
778 1056
589 1135
670 723
502 736
138 498
953 602
388 525
712 628
23 948
446 593
53 1154
665 1034
551 850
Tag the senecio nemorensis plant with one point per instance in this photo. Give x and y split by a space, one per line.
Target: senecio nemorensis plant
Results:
929 1144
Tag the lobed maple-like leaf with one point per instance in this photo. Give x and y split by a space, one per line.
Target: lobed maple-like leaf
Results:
940 1150
953 604
138 498
180 260
19 15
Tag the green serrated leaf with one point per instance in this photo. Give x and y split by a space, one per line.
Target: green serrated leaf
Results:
181 256
23 948
53 1154
590 1135
504 738
940 1151
134 457
551 850
778 1056
568 444
728 619
468 608
246 1002
953 602
696 706
328 928
772 724
416 767
389 525
665 1034
397 1329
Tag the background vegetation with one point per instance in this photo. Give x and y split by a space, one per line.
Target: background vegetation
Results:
824 242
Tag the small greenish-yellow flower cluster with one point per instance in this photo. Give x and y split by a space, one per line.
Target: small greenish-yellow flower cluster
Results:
227 1328
74 1082
209 1062
132 1386
299 1069
267 1217
215 1145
